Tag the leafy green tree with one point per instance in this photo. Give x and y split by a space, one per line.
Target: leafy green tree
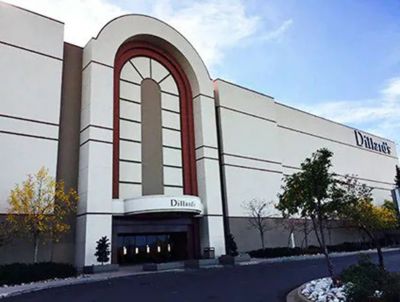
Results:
310 194
103 250
231 246
358 208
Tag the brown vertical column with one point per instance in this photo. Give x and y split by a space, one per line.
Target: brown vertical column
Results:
68 146
70 117
152 156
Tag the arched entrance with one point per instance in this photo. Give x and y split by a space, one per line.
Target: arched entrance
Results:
153 155
113 131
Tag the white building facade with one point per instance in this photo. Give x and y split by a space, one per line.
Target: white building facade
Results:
162 156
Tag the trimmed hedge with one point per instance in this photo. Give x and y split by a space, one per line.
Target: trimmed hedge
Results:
311 250
18 273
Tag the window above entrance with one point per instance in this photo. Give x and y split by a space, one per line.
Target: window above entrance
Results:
150 160
153 143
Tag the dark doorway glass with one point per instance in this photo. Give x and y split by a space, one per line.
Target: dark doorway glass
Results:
140 248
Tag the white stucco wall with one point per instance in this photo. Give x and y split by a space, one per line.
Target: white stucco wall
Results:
31 54
305 133
263 140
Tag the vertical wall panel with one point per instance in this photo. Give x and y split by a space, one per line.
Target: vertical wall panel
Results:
130 178
152 156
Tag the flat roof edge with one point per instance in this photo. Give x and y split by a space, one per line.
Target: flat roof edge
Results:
334 122
32 12
242 87
300 110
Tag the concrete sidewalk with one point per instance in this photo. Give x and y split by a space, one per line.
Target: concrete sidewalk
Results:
7 291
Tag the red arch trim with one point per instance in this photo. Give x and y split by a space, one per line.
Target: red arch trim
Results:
133 49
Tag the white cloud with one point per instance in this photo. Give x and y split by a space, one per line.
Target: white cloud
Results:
380 116
212 26
279 32
392 90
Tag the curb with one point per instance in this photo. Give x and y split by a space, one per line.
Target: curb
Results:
296 296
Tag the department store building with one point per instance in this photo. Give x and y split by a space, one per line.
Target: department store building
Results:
162 156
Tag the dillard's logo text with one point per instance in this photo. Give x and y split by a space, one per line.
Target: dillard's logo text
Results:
367 142
181 203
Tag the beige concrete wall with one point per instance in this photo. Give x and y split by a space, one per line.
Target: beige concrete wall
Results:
31 59
278 235
21 249
262 140
301 133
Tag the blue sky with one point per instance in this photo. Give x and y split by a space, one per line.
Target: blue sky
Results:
338 58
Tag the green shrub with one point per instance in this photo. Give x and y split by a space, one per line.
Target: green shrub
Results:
18 273
351 247
365 278
311 250
276 252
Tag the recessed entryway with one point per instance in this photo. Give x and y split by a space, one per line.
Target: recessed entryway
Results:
141 248
150 238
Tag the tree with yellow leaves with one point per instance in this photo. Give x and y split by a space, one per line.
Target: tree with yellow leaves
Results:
358 209
39 209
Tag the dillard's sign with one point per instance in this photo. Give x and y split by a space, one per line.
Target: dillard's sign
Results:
182 203
163 204
368 142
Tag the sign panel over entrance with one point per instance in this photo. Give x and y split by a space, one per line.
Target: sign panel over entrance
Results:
164 204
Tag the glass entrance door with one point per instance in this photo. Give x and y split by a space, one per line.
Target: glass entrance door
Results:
139 248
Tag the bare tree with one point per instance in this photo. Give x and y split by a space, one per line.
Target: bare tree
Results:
259 211
307 229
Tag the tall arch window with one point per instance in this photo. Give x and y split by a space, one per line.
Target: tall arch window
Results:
153 125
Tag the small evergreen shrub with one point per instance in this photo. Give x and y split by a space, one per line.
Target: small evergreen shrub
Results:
231 246
18 273
103 250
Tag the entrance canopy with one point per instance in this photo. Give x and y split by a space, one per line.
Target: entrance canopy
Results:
163 204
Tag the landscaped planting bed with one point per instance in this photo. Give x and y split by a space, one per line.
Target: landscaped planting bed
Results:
362 282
